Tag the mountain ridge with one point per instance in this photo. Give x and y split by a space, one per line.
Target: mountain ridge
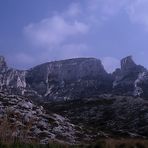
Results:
74 78
75 100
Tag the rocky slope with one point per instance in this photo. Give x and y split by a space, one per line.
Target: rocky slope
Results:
107 115
21 119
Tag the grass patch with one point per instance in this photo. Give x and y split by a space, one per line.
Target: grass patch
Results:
23 145
104 143
120 143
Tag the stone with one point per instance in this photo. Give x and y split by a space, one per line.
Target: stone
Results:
22 117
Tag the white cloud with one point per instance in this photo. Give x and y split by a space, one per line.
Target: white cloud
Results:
110 63
57 29
138 12
106 8
72 22
58 35
74 10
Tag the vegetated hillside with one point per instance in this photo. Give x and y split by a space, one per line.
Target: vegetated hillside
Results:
107 115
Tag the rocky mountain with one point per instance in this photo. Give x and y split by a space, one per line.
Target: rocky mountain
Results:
74 79
60 80
73 100
129 79
69 79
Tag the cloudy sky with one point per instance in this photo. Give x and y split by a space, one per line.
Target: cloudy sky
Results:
37 31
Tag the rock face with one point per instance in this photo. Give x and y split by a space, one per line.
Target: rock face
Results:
141 84
11 80
59 80
125 82
22 119
74 79
127 64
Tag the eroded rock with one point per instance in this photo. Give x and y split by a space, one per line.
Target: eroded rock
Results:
22 116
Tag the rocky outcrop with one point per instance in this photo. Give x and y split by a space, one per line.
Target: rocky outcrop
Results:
59 80
21 119
11 80
141 85
127 64
126 77
74 79
67 79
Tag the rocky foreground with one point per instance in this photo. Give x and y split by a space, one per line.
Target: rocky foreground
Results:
22 120
80 121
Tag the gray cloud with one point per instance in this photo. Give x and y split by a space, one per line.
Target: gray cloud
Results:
61 35
55 30
138 12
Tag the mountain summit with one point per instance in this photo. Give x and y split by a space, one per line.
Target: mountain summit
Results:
127 63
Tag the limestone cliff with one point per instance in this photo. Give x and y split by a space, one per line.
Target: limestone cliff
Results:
74 79
59 80
125 82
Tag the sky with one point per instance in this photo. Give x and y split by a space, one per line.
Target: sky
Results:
37 31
